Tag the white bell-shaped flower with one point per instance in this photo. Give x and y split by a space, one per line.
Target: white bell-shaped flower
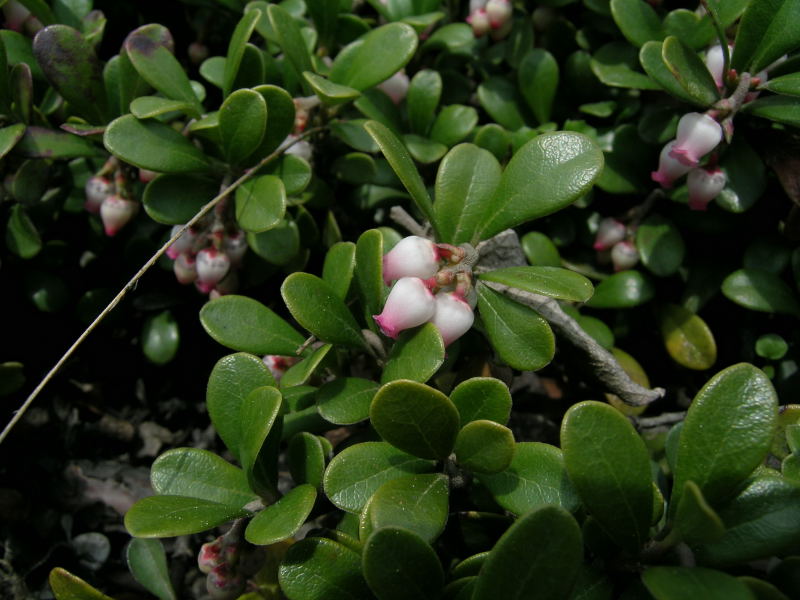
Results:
413 256
396 87
479 20
185 268
212 266
669 168
453 316
698 134
183 244
235 246
715 62
410 303
704 185
97 189
302 148
624 255
116 211
499 12
609 232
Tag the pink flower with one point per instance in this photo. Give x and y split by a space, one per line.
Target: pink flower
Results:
410 303
185 269
396 87
413 256
116 211
704 185
453 316
97 189
669 168
499 12
278 365
480 22
698 134
609 232
715 62
235 246
212 266
183 244
210 556
624 255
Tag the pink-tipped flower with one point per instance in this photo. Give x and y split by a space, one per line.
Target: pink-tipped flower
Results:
116 211
223 583
624 255
302 148
453 316
210 556
413 256
669 168
499 12
212 266
235 246
715 62
278 365
185 269
183 244
704 185
396 87
146 175
609 232
410 303
698 134
97 189
479 21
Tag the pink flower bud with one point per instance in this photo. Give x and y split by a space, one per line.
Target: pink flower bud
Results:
609 232
698 134
498 11
413 256
715 62
97 189
183 244
278 365
704 185
222 583
624 255
185 269
212 266
669 168
453 316
116 211
480 22
146 175
396 87
210 555
410 303
235 246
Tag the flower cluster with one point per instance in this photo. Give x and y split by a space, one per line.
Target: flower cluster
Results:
490 16
612 237
422 293
227 565
106 194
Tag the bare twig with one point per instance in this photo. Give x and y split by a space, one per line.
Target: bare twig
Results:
661 420
399 215
135 279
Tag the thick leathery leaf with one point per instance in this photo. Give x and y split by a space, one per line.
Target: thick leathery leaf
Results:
281 520
321 569
170 516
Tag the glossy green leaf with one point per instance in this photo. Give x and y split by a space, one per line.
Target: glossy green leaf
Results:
484 447
41 142
290 38
66 586
545 570
231 380
746 173
727 432
280 121
260 414
537 78
424 93
687 338
321 569
242 122
786 84
300 373
625 289
236 49
71 66
22 238
242 323
547 174
315 305
766 32
147 107
761 589
500 98
415 418
482 398
660 245
637 21
147 562
520 336
278 245
418 503
282 520
9 136
540 250
160 338
327 91
781 109
536 476
453 124
467 179
555 282
152 145
170 516
399 564
355 473
760 290
616 63
495 139
678 583
693 29
306 457
346 400
695 521
339 266
652 61
610 467
416 355
260 202
690 71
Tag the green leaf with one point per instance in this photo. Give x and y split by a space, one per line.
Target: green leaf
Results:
306 458
625 289
766 32
375 57
727 433
147 562
520 336
695 521
467 179
170 516
555 282
690 71
500 98
424 93
9 136
536 476
355 473
280 121
152 145
418 503
236 49
495 139
482 398
146 107
771 346
415 418
22 238
160 338
416 355
346 400
637 21
283 519
615 65
786 84
321 569
242 323
259 412
324 14
66 586
760 290
340 263
547 174
399 564
300 373
260 202
653 64
242 122
687 338
660 245
537 78
290 39
315 305
781 109
484 447
694 30
545 570
453 124
679 583
540 250
610 467
231 380
41 142
279 245
327 91
71 66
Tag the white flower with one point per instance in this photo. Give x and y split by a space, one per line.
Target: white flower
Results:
479 21
410 303
116 211
97 189
183 244
704 185
212 266
453 316
609 232
669 168
499 12
185 268
624 255
698 134
413 256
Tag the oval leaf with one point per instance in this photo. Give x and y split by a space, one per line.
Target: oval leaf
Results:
170 516
482 398
260 202
760 290
548 281
281 520
321 569
625 289
687 338
678 583
484 447
416 355
242 121
147 562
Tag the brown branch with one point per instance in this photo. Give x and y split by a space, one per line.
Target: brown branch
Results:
399 215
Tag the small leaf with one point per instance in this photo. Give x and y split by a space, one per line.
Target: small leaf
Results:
690 71
653 64
41 142
760 290
500 98
482 398
146 107
260 202
678 583
22 238
321 569
660 245
484 447
786 84
695 520
283 519
280 121
637 21
147 562
416 355
9 136
236 49
290 38
424 93
300 373
327 91
160 338
538 81
170 516
625 289
453 124
765 33
555 282
306 458
242 122
66 586
781 109
346 400
340 263
615 65
260 414
687 338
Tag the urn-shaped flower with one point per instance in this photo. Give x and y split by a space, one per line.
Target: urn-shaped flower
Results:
698 134
116 211
413 256
453 316
212 266
704 185
410 303
669 168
